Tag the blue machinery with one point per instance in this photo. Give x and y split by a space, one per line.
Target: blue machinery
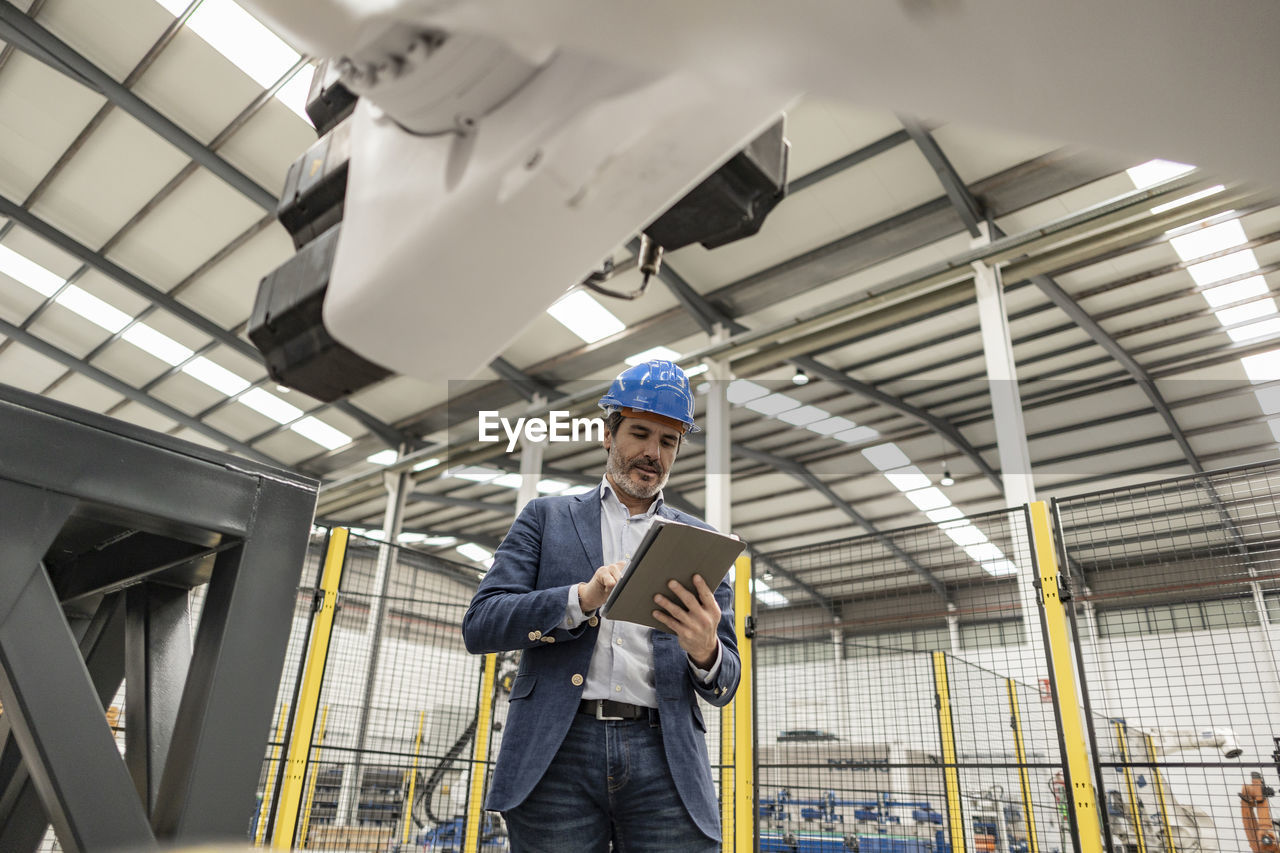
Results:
790 825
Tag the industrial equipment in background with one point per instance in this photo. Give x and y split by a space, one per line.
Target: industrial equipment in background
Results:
288 324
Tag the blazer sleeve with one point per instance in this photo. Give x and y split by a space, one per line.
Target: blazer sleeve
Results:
720 691
508 611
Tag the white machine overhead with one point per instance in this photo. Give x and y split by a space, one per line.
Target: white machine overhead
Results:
503 148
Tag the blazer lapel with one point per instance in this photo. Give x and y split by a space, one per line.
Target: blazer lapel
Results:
585 511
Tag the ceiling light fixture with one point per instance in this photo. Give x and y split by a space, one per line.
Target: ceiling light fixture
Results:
947 479
801 378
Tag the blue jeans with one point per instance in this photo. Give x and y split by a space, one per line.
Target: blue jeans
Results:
608 784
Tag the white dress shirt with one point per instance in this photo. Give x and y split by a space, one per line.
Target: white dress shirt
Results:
622 663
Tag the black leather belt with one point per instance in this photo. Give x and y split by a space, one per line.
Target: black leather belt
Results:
607 709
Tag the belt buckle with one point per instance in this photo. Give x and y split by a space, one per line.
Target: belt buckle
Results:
600 712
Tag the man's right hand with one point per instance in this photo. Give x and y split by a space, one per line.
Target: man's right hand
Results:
594 592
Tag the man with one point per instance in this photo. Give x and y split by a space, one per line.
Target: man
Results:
604 742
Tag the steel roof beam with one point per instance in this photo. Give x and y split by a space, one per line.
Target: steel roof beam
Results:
526 385
961 198
32 38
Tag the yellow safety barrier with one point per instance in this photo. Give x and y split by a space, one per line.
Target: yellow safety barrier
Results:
1084 799
411 780
950 773
309 696
1130 789
265 808
311 785
743 790
1024 778
480 755
1162 804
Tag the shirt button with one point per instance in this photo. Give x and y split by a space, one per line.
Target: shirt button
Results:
617 688
618 641
577 680
593 621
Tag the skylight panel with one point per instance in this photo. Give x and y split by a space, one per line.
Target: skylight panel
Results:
438 541
1268 399
886 456
383 457
585 317
744 390
831 426
28 272
93 309
508 481
774 404
266 403
551 487
293 94
1262 367
804 415
907 479
766 594
949 513
426 463
1000 568
1246 312
927 499
857 435
474 552
696 370
578 490
1187 199
1206 241
1155 172
1255 330
476 473
1235 291
965 535
243 39
161 346
215 376
658 353
328 437
984 552
1237 263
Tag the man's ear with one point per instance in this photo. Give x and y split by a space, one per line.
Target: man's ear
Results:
608 440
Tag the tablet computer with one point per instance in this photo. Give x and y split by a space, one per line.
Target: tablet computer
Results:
670 550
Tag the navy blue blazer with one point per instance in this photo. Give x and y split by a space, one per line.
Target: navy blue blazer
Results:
520 604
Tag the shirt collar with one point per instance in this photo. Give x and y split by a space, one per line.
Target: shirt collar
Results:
606 492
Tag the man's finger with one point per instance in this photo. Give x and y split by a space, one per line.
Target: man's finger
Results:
686 597
704 591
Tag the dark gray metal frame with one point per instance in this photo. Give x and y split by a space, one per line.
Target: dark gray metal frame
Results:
106 527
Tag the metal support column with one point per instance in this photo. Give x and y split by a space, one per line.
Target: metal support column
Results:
1002 379
743 791
717 445
157 653
1020 756
397 485
480 755
956 824
530 463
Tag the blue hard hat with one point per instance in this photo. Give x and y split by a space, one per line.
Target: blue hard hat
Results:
654 386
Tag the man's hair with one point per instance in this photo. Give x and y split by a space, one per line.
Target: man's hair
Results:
614 421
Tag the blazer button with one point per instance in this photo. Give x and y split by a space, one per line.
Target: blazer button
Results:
577 680
535 635
548 639
593 621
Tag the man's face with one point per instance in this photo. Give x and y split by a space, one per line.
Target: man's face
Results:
640 456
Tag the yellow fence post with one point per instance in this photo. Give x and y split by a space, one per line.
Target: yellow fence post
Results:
1020 753
309 697
1084 799
480 755
1162 804
950 773
1131 790
727 800
743 790
267 789
412 781
311 785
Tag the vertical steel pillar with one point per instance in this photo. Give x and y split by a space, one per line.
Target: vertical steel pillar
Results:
956 823
530 464
1024 778
480 755
397 486
743 791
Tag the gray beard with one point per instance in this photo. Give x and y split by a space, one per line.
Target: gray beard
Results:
614 467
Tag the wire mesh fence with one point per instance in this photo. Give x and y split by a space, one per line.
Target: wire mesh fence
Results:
1175 594
900 691
390 755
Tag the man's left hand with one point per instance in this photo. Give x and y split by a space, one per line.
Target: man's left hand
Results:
694 617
